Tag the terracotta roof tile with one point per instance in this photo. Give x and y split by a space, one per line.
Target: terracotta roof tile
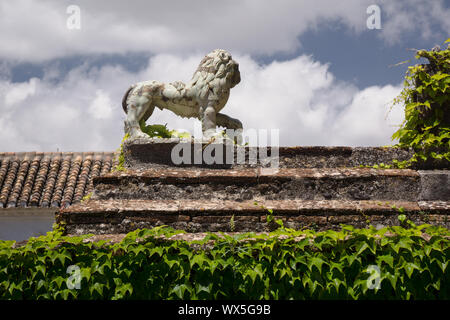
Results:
95 171
71 182
51 181
3 169
83 178
28 184
18 183
8 183
61 181
38 179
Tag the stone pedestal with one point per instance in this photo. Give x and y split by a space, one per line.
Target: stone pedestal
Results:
157 153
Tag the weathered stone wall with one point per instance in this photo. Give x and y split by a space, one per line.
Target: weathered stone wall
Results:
314 187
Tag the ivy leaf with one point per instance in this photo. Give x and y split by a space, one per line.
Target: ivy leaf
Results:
437 284
409 268
362 247
351 259
179 290
58 280
62 257
198 259
338 266
64 294
316 262
156 252
127 273
40 269
388 259
257 271
205 289
402 243
392 279
440 76
117 281
97 287
123 289
360 285
85 273
336 283
252 275
41 284
313 285
441 265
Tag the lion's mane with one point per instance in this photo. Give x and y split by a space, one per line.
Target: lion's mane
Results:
217 72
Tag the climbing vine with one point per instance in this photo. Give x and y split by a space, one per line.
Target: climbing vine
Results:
426 97
121 156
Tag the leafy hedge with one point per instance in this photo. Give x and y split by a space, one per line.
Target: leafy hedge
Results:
286 264
426 97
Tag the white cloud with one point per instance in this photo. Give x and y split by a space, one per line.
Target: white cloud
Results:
368 120
101 107
20 92
300 97
36 30
426 19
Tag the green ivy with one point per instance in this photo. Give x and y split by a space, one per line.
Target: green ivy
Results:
121 156
285 264
426 97
87 197
153 131
161 131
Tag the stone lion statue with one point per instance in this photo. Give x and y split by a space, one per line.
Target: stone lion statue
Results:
203 97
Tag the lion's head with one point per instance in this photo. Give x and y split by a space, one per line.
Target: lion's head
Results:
217 70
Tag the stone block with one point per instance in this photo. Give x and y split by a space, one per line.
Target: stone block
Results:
435 185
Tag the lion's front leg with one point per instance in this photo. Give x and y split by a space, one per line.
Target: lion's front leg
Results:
208 119
230 123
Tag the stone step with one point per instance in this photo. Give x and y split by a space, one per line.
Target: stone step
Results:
151 153
261 184
121 216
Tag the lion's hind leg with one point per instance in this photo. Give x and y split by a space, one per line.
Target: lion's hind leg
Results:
137 111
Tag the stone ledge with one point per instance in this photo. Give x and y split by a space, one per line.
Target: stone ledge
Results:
197 174
115 211
252 224
122 216
404 183
256 183
146 153
203 207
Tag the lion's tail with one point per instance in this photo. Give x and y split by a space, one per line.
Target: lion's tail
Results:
124 99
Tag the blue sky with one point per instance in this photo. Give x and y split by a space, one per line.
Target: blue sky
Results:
311 69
